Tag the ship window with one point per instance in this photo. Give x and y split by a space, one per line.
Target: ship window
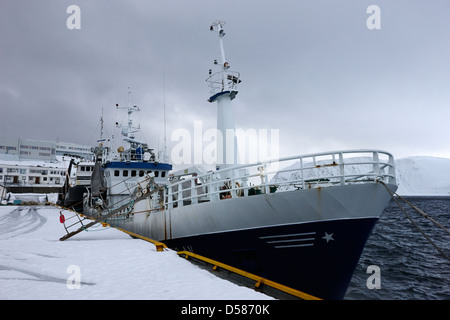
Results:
125 173
163 174
133 173
141 173
156 174
116 173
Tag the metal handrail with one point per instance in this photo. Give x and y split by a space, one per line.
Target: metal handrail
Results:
325 169
223 81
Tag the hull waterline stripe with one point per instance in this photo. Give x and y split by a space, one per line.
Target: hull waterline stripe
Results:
294 245
289 235
292 240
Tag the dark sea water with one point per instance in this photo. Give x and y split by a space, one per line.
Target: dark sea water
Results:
410 267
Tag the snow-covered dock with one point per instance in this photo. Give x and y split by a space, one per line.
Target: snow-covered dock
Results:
101 263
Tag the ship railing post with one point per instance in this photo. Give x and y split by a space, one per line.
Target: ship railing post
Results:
391 171
341 168
207 186
302 173
180 195
376 165
194 198
233 188
214 187
243 173
266 179
210 188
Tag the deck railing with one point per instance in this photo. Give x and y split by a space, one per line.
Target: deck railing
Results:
223 81
300 172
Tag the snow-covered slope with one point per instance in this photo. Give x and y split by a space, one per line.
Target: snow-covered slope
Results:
423 176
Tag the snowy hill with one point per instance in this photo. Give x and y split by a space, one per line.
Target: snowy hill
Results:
416 176
423 176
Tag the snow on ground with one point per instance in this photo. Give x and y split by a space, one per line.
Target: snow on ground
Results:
103 263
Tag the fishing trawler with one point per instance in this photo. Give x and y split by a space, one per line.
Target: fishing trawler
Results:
300 221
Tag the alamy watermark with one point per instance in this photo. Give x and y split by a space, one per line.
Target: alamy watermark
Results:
374 280
74 278
205 146
73 22
373 22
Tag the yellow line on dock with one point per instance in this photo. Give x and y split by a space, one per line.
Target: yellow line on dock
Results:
159 245
259 280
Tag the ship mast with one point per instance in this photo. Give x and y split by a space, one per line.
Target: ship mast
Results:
129 130
223 86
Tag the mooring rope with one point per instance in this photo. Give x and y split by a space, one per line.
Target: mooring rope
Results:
393 194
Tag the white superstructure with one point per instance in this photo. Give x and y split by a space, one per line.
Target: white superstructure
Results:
223 85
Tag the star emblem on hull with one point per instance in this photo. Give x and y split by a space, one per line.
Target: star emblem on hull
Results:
328 237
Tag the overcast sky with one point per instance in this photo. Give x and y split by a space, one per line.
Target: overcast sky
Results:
311 69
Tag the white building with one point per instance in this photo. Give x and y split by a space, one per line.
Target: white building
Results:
37 165
25 149
29 175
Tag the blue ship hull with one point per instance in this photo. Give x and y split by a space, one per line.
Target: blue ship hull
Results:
318 258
